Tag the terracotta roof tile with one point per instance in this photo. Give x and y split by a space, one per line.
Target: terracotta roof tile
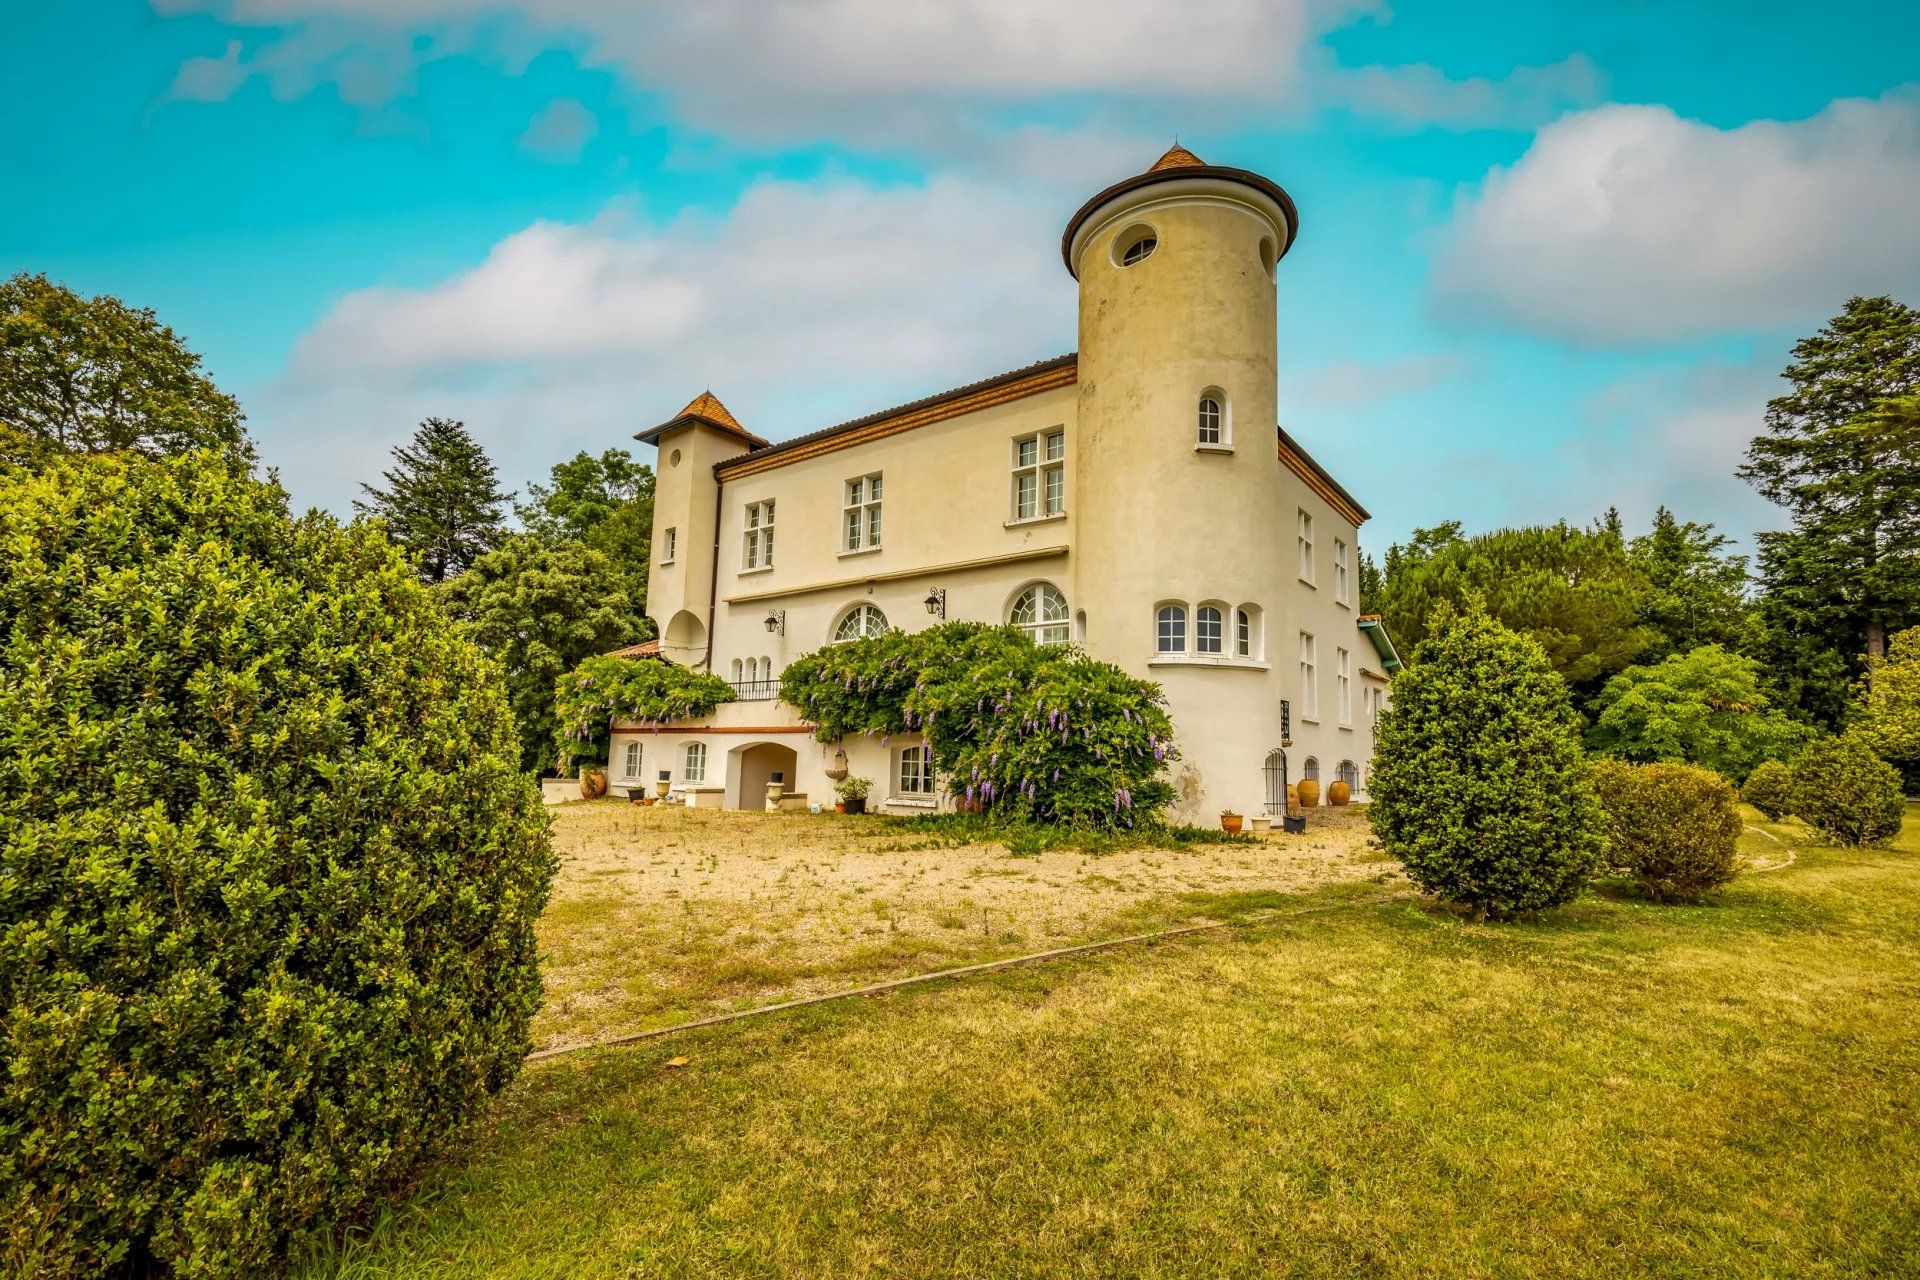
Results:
707 405
1178 157
648 649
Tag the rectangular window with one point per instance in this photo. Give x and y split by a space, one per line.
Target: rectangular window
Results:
1306 547
860 514
696 766
1243 633
1343 676
633 761
1040 475
1206 629
1309 684
756 550
1339 571
668 544
915 774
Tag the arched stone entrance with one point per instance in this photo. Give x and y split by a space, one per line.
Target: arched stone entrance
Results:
751 767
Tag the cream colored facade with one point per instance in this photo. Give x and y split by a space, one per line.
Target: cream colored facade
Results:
1191 543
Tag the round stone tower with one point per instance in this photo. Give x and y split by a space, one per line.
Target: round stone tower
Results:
1177 477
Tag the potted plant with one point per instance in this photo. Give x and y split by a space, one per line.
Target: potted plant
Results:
1230 822
853 794
1260 824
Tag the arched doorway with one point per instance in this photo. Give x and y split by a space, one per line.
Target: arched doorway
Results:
750 768
1275 774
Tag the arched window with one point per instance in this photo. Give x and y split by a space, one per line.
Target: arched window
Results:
1171 633
1246 631
1349 773
696 763
1041 612
861 621
739 672
1212 420
1310 769
1206 629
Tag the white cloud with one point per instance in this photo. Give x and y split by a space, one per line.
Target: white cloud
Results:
802 305
1421 94
1354 384
560 131
1629 223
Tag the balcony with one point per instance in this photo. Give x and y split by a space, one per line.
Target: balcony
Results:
754 690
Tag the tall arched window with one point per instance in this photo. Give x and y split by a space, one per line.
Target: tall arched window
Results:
1310 770
739 671
1349 773
1041 612
1212 420
861 621
1171 629
1206 629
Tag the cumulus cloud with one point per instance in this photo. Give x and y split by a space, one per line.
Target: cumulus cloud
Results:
1628 223
560 131
801 305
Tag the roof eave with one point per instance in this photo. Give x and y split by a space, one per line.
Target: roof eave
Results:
1376 629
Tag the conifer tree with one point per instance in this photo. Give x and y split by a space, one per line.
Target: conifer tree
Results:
442 500
1696 589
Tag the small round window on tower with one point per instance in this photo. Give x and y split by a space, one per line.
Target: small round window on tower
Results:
1135 244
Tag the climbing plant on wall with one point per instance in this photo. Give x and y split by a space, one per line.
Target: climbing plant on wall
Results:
601 690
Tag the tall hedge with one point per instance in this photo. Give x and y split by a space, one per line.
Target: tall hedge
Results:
1039 733
1479 783
268 872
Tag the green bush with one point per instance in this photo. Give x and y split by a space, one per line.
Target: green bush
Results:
1479 784
1769 788
601 690
268 872
1848 793
1675 828
1030 732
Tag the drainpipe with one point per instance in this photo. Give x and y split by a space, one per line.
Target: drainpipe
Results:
713 583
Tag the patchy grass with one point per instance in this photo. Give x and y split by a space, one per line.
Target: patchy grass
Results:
1384 1090
664 915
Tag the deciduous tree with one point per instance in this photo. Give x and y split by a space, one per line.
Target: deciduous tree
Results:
1705 707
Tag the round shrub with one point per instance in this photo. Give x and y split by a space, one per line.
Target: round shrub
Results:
1479 783
1847 792
1675 828
1769 788
268 872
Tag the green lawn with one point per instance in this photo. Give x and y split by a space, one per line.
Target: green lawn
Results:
1382 1090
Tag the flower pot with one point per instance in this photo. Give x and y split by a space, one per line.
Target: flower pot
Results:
1339 792
1230 823
1309 793
593 782
1293 824
1260 824
839 806
856 804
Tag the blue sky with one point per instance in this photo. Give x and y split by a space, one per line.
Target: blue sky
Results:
1552 255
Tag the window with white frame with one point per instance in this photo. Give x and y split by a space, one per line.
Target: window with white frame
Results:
756 551
739 671
1246 639
1309 682
1210 426
1306 547
669 543
694 768
1374 700
632 763
1170 634
1041 612
914 776
1040 475
1349 773
1343 678
860 514
1206 629
860 622
1310 770
1339 572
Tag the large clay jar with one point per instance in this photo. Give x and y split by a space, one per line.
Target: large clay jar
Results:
1338 792
1309 793
593 782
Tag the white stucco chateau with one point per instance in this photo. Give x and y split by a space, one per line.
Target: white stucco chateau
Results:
1137 497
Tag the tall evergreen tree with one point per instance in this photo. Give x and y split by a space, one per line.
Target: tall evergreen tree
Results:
94 374
442 501
1696 588
1841 453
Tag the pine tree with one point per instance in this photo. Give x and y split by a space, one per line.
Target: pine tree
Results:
442 501
1842 454
1697 590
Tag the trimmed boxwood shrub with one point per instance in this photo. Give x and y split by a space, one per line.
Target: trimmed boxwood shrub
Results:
1479 784
1847 792
1038 733
1675 828
1769 788
268 872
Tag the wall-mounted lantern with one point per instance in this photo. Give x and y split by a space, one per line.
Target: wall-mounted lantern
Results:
776 622
936 602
